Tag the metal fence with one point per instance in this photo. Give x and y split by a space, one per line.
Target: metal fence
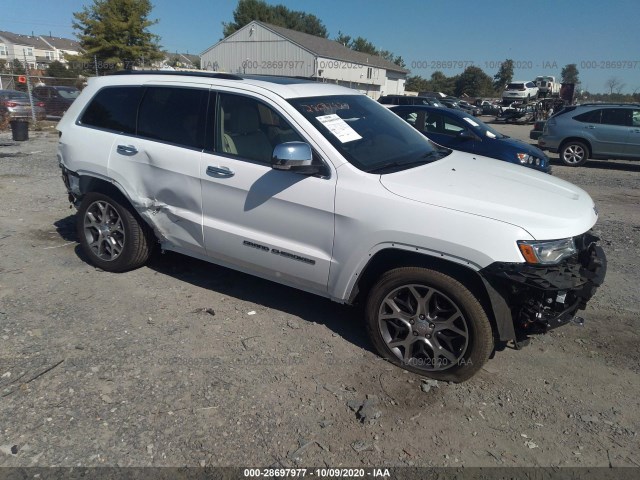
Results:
12 79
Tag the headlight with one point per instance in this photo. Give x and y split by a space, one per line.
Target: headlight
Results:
526 159
547 252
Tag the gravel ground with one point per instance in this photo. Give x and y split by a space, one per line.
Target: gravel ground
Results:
182 363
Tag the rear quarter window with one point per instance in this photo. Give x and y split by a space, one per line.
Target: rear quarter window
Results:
114 109
589 117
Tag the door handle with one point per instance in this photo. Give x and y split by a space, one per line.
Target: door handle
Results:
126 150
219 172
636 131
590 127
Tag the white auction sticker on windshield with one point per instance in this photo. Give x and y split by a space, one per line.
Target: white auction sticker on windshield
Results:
338 127
471 122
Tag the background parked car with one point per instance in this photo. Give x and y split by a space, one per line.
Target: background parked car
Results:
598 130
16 104
536 131
408 100
519 91
461 131
469 108
490 108
56 99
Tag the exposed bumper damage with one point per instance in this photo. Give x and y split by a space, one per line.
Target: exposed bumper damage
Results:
540 298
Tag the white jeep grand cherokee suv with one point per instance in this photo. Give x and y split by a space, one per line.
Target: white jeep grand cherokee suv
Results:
316 186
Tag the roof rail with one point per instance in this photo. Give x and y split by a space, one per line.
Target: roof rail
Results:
182 73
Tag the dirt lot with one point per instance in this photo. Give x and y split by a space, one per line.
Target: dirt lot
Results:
185 363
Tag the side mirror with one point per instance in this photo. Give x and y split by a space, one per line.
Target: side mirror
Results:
295 157
466 135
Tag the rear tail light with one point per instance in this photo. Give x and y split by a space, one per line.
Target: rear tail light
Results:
40 104
10 104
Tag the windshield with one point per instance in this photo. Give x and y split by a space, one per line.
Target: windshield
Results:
69 93
483 128
368 135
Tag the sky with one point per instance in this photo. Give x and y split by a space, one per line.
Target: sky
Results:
540 36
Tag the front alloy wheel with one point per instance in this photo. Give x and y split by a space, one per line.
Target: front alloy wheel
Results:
574 154
429 323
423 327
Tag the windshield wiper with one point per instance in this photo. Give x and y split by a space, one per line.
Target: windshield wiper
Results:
424 159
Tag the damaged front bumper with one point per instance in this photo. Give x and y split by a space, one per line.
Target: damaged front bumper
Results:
532 299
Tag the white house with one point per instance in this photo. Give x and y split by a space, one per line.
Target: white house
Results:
61 47
39 51
264 49
22 47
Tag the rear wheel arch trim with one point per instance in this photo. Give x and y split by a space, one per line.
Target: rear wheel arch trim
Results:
576 139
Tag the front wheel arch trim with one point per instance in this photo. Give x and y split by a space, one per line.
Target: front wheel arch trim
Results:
492 301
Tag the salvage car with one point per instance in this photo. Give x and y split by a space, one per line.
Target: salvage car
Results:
461 131
453 256
16 105
56 99
520 91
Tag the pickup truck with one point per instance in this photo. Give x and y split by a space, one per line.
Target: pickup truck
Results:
547 86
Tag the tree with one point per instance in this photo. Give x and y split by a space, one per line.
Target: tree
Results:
474 83
387 55
504 75
614 83
415 83
363 45
441 83
116 33
570 74
58 69
16 68
3 65
249 10
343 39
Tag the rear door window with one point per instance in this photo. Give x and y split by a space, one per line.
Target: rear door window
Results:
113 108
616 116
174 115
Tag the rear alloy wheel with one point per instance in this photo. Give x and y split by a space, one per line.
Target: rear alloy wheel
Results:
426 322
111 235
574 154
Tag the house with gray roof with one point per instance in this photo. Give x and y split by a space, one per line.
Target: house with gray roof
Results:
62 47
38 51
264 49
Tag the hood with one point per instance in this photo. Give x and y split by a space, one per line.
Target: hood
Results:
520 146
546 207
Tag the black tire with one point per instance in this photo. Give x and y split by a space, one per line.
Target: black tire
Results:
469 349
574 153
119 241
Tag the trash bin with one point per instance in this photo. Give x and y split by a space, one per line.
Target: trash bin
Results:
19 130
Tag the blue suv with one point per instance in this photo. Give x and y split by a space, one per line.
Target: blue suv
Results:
599 131
460 131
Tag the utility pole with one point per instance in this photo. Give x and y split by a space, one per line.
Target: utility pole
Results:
95 62
26 71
